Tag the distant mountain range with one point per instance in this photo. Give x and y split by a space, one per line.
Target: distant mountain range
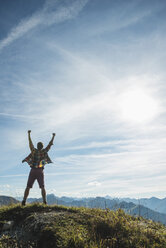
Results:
156 204
152 208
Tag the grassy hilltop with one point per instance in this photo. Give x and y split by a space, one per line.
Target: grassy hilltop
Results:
61 227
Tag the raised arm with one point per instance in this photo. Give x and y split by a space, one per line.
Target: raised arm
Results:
31 146
50 143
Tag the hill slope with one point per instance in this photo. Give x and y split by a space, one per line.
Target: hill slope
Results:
41 226
7 200
101 202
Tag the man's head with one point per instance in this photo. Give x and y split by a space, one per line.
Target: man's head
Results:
39 145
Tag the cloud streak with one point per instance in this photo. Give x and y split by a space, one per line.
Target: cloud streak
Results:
44 17
19 116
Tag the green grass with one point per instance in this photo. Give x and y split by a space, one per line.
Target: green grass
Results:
63 227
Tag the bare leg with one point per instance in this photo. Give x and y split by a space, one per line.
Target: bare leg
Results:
26 193
43 192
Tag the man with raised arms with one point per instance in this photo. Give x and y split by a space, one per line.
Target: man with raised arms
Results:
37 159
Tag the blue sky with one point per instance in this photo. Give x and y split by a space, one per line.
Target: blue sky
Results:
94 73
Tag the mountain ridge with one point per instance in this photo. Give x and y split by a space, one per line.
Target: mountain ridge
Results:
103 203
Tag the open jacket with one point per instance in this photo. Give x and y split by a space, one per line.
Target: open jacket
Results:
38 158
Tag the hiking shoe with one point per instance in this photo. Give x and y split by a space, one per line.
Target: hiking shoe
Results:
23 203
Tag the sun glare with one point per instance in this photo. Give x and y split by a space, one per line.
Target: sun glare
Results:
137 106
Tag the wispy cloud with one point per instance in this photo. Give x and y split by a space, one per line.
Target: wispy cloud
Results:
15 175
45 17
94 183
140 162
121 16
19 116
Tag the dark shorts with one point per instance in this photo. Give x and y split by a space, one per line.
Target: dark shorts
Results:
36 174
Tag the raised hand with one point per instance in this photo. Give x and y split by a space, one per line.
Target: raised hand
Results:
54 134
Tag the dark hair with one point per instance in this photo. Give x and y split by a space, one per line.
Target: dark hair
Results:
39 145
